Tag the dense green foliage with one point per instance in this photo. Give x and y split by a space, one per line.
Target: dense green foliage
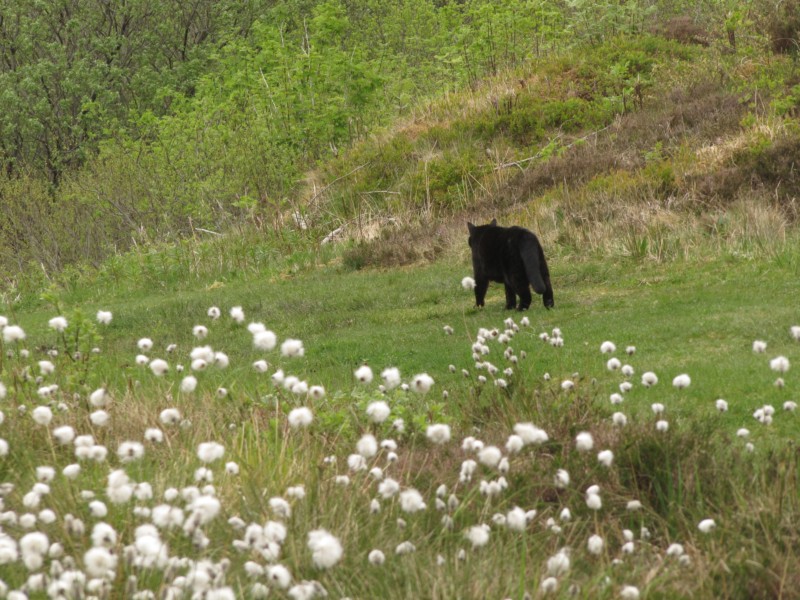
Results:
126 125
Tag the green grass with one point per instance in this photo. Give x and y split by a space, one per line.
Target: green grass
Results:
698 317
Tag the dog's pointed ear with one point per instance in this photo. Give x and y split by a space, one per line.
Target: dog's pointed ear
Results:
494 222
470 227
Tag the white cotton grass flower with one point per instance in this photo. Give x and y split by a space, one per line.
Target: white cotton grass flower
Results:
388 488
237 314
405 548
363 374
438 433
649 379
316 392
170 416
478 535
99 398
764 414
210 451
490 456
629 592
64 434
58 324
562 478
130 451
376 557
779 364
613 364
292 348
300 417
595 544
759 346
619 419
682 381
605 458
104 317
514 444
790 405
794 332
411 501
608 347
261 366
657 408
390 377
189 384
214 313
633 505
531 434
255 328
662 425
300 388
326 549
46 367
265 340
378 411
159 366
153 435
367 446
13 333
99 418
559 563
356 462
422 383
468 283
200 331
706 525
675 549
593 500
616 398
584 441
721 405
42 415
548 585
221 360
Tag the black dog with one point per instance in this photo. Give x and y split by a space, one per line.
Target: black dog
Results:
512 256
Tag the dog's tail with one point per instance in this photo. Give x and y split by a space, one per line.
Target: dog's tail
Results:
536 268
530 250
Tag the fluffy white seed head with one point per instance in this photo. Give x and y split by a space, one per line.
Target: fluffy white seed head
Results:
780 364
378 411
584 441
300 417
390 377
326 550
265 340
649 379
292 348
438 433
363 374
681 381
608 347
422 383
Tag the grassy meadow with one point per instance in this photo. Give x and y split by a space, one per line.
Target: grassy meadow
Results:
695 317
237 355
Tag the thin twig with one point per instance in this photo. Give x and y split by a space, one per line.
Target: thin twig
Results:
519 163
323 190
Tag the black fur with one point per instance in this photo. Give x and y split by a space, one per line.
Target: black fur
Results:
512 256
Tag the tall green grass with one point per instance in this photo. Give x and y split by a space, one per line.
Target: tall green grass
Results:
695 316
